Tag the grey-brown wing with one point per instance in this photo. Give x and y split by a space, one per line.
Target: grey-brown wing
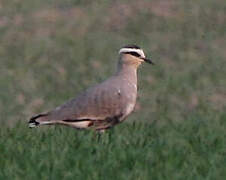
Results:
96 103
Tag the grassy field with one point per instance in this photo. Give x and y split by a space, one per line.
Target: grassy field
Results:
194 149
52 50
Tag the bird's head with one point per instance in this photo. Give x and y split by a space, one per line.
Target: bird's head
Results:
134 55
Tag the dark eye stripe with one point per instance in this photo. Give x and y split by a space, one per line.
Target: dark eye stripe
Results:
134 54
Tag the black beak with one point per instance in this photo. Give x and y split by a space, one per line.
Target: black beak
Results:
148 61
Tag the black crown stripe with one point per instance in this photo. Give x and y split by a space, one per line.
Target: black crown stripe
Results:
132 46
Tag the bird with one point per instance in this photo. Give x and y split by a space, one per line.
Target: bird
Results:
104 105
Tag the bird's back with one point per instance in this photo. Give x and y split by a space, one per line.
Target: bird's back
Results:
114 97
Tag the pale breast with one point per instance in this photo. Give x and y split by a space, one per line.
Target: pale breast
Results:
130 95
129 108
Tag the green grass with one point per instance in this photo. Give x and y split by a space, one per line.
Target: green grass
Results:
195 149
52 50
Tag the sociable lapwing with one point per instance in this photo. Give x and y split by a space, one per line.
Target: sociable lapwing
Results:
104 105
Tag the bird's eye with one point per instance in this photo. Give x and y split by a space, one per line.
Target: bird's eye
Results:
134 54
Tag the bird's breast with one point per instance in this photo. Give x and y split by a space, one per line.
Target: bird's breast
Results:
129 94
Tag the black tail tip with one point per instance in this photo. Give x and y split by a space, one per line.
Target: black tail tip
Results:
32 123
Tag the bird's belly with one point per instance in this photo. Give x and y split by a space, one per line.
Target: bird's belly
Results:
77 124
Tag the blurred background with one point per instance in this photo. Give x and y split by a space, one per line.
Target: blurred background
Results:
51 50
